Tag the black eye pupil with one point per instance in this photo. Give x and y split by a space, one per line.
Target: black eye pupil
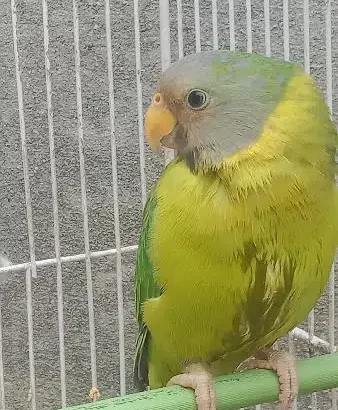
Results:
197 99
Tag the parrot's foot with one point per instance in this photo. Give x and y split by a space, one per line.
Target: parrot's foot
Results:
200 380
284 364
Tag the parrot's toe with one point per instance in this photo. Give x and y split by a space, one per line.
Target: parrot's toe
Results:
284 364
198 379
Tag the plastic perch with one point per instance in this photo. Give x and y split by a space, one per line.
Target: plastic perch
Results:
233 391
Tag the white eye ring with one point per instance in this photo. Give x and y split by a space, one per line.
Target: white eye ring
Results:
197 99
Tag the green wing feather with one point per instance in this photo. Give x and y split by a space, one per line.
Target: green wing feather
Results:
145 288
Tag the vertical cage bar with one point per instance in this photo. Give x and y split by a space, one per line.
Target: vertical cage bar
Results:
306 19
311 326
214 24
2 379
55 205
84 194
329 100
32 395
197 26
165 34
291 347
332 328
28 200
139 94
306 22
286 36
116 203
248 27
180 29
165 54
267 28
328 41
232 25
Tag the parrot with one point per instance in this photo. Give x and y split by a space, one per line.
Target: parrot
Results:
239 233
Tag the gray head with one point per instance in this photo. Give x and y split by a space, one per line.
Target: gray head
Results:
210 105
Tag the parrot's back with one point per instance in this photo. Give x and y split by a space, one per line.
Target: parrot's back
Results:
232 259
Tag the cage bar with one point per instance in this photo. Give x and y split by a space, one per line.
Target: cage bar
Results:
332 329
291 346
329 100
64 259
306 18
165 54
311 325
197 26
55 204
286 39
306 23
139 101
267 28
165 34
116 204
28 199
248 27
180 29
328 44
232 25
31 393
84 194
2 378
214 24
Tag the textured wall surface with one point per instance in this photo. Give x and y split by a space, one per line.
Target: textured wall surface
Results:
13 226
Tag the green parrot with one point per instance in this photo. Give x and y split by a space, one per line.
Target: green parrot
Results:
240 231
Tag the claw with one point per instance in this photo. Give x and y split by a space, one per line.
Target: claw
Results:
284 364
198 379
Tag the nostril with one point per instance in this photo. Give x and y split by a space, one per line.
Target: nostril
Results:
157 99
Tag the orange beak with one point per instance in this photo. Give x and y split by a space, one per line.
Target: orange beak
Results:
159 122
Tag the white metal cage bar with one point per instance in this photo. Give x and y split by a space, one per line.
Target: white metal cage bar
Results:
64 259
232 25
267 28
329 100
248 27
83 193
165 53
23 140
214 24
286 30
331 329
2 378
31 394
197 26
180 29
306 22
291 346
139 93
55 206
116 203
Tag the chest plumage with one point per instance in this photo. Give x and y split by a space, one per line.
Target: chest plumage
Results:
236 274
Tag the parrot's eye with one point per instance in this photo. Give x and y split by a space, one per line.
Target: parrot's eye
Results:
197 99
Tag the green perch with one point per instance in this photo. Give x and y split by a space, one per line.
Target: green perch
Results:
233 391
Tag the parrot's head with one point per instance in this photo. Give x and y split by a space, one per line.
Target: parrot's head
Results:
209 105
